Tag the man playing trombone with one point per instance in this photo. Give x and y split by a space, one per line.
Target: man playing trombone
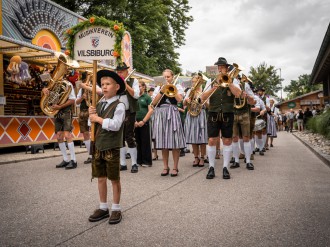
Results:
221 115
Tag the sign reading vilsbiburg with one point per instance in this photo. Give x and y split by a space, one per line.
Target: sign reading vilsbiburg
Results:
95 43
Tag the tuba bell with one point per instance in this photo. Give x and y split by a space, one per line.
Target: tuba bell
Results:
195 106
59 88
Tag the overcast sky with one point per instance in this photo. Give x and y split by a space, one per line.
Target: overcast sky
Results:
284 33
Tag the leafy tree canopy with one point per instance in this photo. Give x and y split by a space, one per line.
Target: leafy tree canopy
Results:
157 27
300 87
267 77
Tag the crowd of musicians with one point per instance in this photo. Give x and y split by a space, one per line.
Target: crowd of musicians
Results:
127 119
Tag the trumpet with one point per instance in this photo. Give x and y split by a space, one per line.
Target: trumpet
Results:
170 91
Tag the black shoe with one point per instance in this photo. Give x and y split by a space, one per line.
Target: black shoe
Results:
71 165
210 174
271 145
187 151
98 215
115 217
123 168
225 173
235 165
263 150
249 166
88 161
253 152
261 153
62 164
134 169
182 153
232 160
128 156
206 161
257 150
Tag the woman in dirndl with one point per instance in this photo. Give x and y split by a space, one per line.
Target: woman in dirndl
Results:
271 121
167 128
196 126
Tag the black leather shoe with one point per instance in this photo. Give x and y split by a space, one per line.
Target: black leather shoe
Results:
210 174
232 160
257 150
249 166
71 165
128 156
263 150
261 153
235 165
225 173
134 169
62 164
88 161
123 168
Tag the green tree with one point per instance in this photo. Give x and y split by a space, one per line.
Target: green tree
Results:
157 27
300 87
267 77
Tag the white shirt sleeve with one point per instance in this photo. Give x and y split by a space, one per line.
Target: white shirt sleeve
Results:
136 89
156 91
115 123
262 104
257 104
79 95
180 89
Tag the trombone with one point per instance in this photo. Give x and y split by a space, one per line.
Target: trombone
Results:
222 80
170 91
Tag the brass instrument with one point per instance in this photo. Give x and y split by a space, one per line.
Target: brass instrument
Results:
241 101
88 93
195 106
59 88
226 79
170 91
129 75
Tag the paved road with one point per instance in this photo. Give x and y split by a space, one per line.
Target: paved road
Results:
285 201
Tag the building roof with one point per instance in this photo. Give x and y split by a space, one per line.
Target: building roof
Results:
301 96
322 64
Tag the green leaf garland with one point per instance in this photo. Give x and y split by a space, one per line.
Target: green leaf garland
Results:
115 26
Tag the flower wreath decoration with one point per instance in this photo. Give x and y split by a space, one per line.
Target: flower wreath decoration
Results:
115 26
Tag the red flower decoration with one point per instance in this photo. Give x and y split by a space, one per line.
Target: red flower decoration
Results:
91 20
69 31
116 27
115 54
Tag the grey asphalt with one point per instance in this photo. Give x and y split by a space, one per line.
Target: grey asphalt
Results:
285 201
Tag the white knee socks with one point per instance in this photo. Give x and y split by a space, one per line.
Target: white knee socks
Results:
211 152
236 151
72 153
123 156
63 151
248 151
133 153
227 154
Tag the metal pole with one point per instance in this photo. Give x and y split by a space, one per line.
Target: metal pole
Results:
281 83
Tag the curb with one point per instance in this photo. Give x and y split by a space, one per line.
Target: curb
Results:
34 158
321 156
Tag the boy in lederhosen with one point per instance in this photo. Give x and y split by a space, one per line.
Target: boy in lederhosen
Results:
108 117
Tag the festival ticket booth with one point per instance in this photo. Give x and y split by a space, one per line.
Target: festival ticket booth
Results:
30 34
